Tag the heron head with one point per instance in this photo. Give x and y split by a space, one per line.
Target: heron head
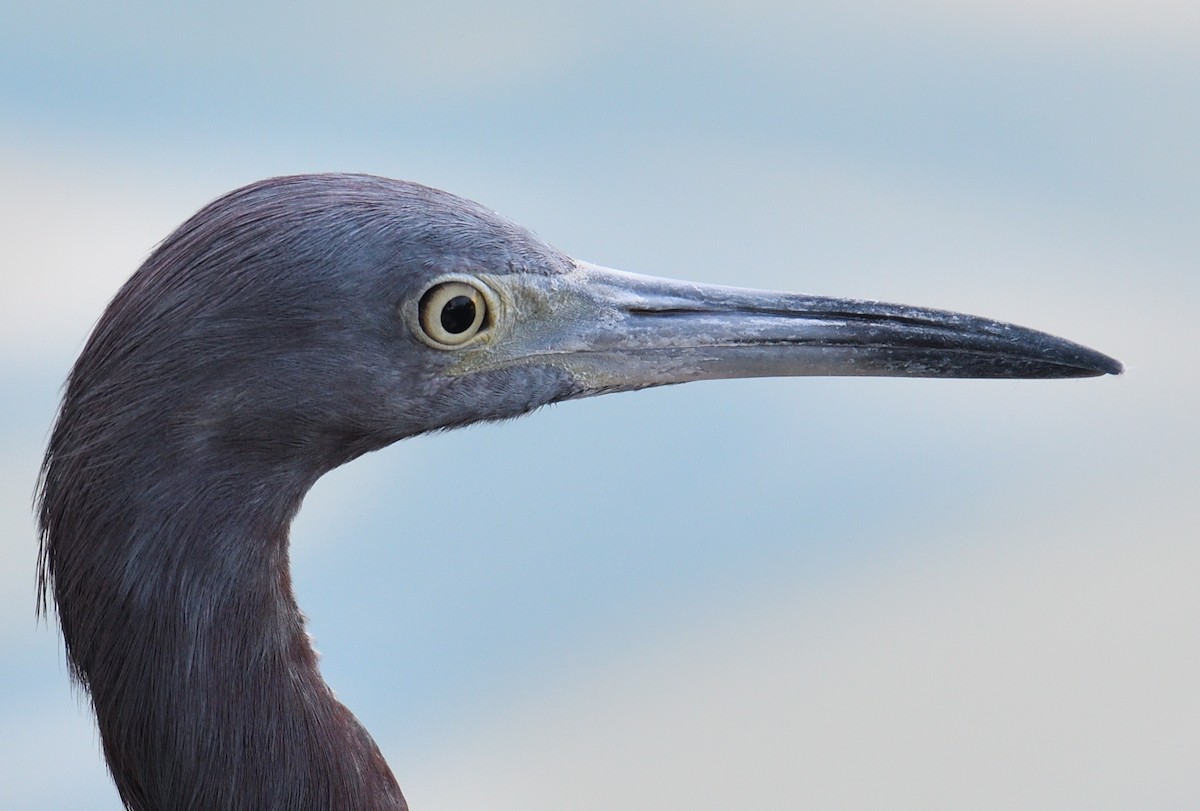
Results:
324 316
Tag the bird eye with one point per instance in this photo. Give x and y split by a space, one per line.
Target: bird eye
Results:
452 313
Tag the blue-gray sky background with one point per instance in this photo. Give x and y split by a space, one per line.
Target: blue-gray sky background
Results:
754 594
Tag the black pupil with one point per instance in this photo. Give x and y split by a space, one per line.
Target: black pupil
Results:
458 315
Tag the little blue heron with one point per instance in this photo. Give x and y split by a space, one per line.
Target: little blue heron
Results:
295 324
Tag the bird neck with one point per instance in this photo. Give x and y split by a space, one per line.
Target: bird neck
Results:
179 617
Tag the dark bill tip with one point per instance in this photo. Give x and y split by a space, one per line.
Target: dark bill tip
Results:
1065 361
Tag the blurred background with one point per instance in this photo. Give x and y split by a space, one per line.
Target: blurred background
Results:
821 593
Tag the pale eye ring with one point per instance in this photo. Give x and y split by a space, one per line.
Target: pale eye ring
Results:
452 312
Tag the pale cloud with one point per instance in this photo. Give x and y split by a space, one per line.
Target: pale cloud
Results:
1050 667
1065 27
70 235
1123 24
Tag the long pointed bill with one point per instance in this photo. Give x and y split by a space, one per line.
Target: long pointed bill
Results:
616 330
